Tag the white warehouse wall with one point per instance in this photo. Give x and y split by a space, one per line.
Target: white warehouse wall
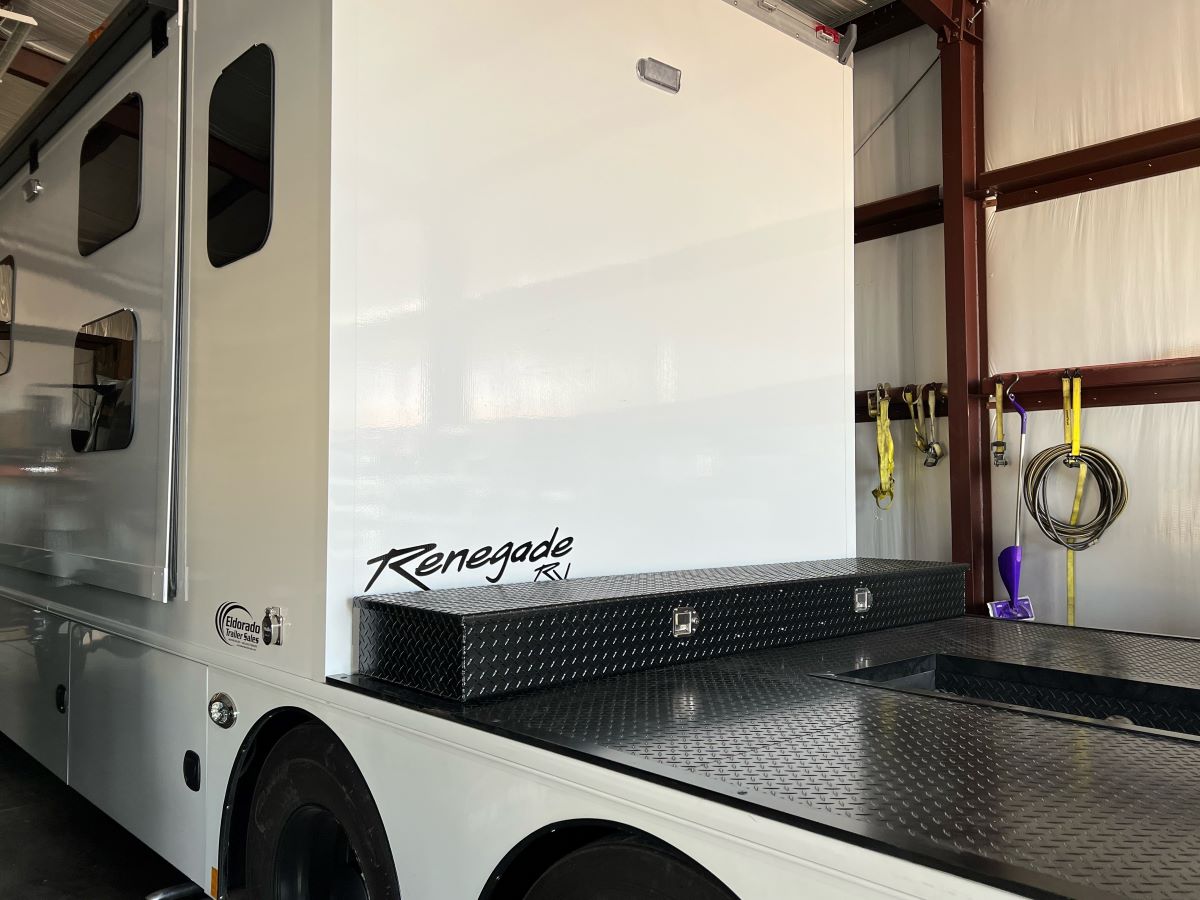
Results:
905 153
1064 74
899 292
1105 277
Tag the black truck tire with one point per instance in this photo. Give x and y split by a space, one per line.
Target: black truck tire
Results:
625 869
314 831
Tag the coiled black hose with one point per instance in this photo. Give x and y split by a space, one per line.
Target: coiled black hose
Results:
1110 484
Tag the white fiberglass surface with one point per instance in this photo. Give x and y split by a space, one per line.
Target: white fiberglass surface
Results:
576 301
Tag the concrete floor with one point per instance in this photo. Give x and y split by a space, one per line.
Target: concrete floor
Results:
54 845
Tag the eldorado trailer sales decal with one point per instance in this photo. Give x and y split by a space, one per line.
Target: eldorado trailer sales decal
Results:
423 560
236 627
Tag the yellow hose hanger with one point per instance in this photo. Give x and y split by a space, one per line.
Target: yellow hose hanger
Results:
1095 468
1072 391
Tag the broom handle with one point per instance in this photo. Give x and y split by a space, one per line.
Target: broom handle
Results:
1020 460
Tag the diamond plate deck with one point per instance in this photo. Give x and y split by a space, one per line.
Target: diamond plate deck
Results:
1037 805
477 642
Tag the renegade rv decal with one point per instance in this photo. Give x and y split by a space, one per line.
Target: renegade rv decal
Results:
422 560
236 627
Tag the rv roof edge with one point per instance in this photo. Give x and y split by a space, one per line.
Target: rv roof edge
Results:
130 29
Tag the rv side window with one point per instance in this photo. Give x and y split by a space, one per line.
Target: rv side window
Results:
240 156
8 285
102 409
110 176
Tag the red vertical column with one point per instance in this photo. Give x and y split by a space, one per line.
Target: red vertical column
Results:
966 306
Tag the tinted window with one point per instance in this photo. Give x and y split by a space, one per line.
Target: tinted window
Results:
239 157
110 176
8 285
102 411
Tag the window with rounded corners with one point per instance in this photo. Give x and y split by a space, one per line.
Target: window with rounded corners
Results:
8 295
110 176
103 383
241 156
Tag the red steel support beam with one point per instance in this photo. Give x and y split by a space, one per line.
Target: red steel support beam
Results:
1120 384
898 410
35 67
1157 152
966 307
896 215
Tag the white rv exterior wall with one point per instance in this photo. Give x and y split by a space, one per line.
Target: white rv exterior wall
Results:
100 518
257 395
1108 276
563 298
669 362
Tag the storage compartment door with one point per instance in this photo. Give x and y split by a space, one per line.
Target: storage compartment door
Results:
134 713
34 659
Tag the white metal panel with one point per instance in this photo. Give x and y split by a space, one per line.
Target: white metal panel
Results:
1070 73
134 712
573 300
100 518
34 659
442 788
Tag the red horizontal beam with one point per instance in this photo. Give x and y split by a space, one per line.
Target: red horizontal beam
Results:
35 67
1157 152
1120 384
897 410
896 215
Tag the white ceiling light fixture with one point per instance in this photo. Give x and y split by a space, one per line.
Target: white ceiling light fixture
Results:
18 27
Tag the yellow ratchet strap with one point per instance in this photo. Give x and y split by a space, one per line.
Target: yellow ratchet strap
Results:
999 413
916 414
887 451
1072 421
1076 406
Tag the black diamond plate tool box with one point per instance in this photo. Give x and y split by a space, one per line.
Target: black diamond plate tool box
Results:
478 642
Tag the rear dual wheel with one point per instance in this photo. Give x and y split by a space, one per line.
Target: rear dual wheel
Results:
314 831
315 834
625 869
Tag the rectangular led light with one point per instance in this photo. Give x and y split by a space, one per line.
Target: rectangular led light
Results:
659 74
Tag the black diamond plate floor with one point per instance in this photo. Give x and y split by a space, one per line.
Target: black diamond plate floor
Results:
1039 805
